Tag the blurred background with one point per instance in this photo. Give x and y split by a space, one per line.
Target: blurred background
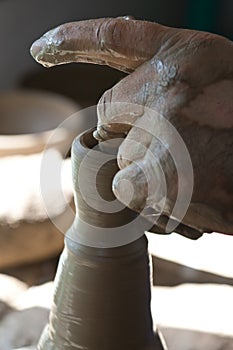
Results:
192 295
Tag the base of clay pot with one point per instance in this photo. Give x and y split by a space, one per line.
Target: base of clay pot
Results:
48 344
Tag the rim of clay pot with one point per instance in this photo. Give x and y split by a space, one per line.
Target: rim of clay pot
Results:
29 118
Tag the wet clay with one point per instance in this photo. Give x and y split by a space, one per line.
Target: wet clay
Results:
102 295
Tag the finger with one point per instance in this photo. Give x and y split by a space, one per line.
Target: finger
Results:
120 107
122 43
136 147
137 188
130 187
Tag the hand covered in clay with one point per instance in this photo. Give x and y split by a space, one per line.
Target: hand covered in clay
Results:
176 110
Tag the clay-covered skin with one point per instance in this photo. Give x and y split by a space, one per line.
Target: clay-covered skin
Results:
187 77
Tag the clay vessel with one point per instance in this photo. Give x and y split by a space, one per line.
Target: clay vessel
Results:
102 295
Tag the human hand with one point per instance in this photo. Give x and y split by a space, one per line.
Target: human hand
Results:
176 108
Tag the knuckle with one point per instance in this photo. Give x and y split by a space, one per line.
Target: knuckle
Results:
104 106
108 34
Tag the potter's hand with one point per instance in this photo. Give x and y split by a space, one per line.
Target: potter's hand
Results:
181 79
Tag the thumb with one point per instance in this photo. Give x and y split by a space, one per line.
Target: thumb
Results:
122 43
